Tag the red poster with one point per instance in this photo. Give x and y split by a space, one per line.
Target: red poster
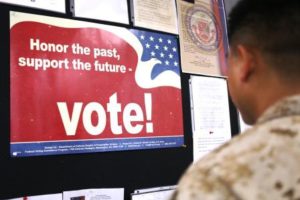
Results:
79 87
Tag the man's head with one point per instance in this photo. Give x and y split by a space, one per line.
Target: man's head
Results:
264 59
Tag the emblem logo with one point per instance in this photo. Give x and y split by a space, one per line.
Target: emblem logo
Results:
203 28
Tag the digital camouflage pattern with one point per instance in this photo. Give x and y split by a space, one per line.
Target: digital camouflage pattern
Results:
261 164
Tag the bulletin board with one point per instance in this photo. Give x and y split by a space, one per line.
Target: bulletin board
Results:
131 170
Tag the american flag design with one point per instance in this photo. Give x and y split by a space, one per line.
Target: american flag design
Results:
162 48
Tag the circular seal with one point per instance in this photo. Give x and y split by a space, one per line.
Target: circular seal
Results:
203 28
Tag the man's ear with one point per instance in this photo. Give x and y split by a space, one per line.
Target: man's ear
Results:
245 62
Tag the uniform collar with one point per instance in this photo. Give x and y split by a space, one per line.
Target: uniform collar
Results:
286 107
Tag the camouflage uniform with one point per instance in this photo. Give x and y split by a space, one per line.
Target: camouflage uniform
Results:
261 164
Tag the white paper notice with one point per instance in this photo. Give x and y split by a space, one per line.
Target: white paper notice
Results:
95 194
155 14
52 5
159 193
108 10
210 114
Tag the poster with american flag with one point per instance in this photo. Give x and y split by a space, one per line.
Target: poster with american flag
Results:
80 87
